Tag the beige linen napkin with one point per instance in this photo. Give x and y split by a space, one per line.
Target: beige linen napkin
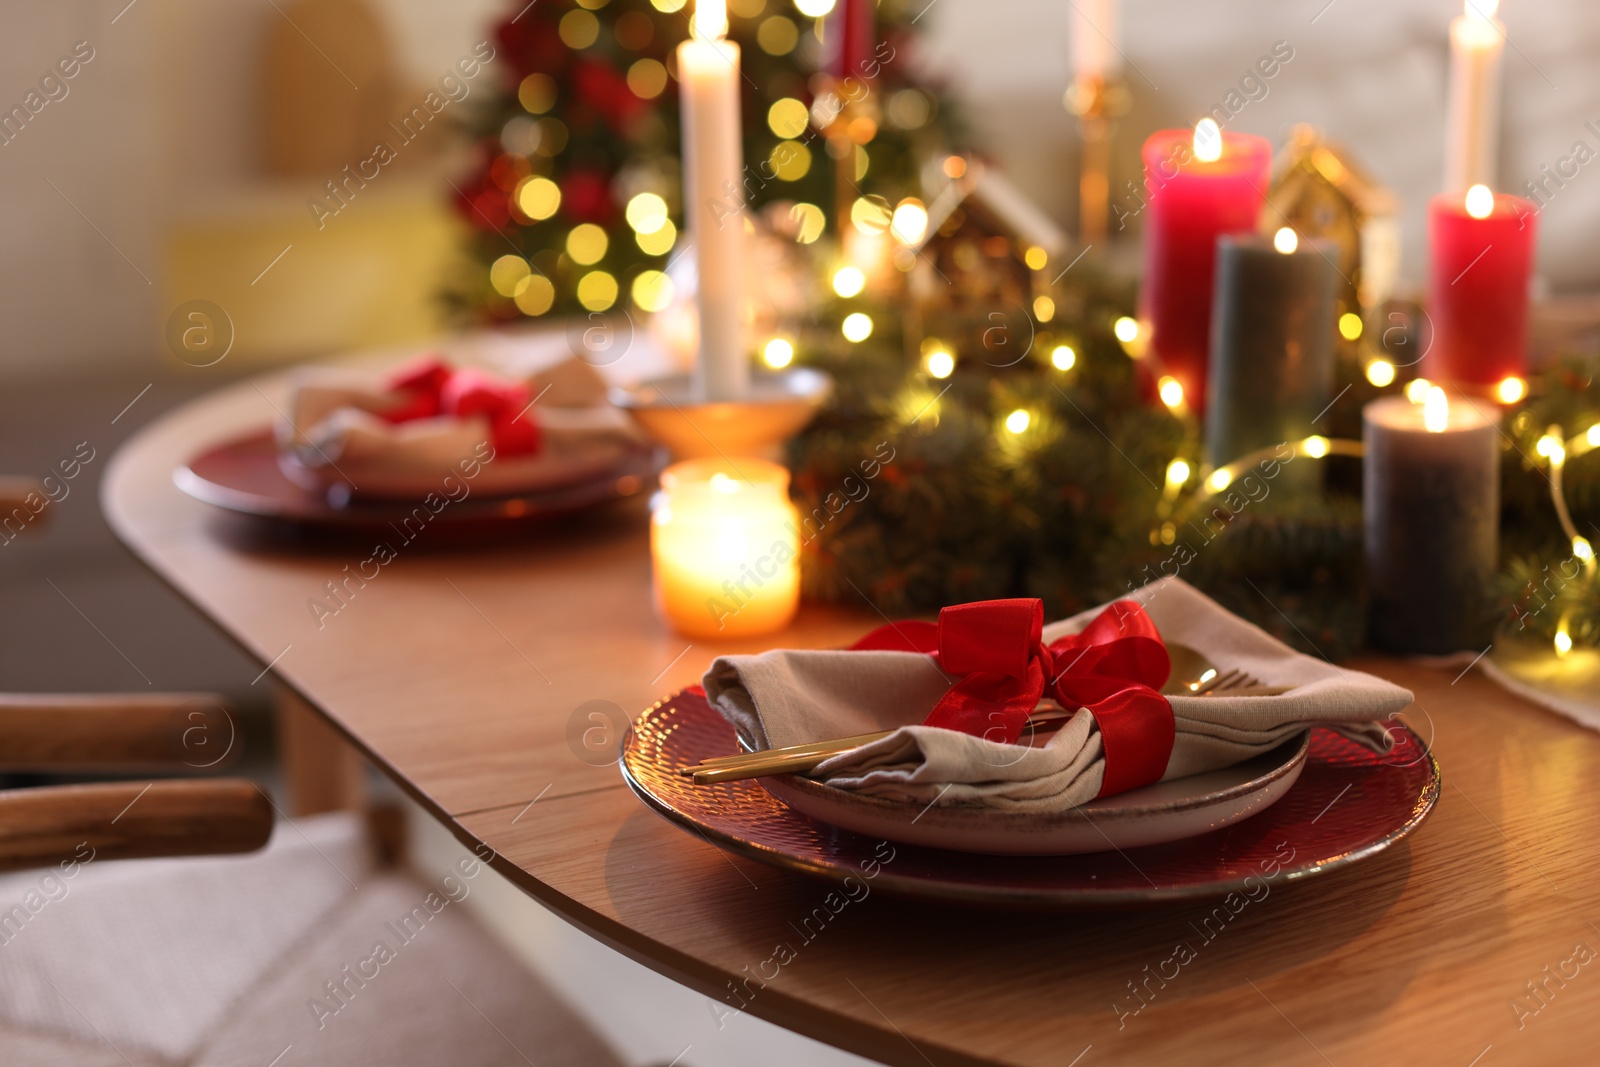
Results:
332 431
788 697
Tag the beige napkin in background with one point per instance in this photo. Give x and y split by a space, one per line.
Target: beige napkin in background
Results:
331 432
787 697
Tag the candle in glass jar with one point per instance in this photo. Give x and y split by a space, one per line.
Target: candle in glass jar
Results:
1481 256
1273 324
713 194
1200 186
724 542
1472 123
1431 500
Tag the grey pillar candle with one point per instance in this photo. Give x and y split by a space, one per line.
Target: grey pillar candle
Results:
1431 495
1273 325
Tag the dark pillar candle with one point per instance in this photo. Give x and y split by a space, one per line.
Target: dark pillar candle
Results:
1273 325
1432 510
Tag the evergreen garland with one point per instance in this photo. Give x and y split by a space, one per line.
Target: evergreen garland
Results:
1074 506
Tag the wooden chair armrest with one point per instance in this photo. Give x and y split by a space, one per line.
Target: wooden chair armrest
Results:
89 731
128 820
25 494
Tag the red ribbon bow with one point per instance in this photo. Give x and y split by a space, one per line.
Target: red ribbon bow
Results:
1115 668
430 387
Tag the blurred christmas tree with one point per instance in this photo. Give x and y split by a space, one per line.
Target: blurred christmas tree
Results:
574 192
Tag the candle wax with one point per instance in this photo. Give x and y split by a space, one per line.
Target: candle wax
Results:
1190 204
1272 365
1431 504
713 195
1472 117
1478 290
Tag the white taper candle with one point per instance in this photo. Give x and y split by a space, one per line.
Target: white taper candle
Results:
713 190
1472 125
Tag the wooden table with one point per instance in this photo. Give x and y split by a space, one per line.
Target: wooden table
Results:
466 674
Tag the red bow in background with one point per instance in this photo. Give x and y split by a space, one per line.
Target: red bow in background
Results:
431 388
1115 668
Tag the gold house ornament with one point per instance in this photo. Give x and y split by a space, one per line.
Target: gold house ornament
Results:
1319 189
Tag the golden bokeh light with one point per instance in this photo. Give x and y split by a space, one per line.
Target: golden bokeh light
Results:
857 327
660 242
597 290
791 160
506 272
538 198
909 223
537 93
646 213
535 295
809 222
849 281
647 78
788 117
871 215
579 28
587 244
777 36
778 353
653 291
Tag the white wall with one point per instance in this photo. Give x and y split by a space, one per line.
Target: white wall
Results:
160 120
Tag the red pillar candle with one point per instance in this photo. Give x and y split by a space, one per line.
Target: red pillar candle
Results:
1191 201
1481 256
847 39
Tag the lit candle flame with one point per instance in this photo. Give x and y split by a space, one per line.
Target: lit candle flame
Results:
1286 240
1436 411
1482 8
1480 202
1510 390
1207 141
1563 641
711 19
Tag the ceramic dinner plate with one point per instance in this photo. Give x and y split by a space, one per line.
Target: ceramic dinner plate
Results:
243 474
1343 805
1153 815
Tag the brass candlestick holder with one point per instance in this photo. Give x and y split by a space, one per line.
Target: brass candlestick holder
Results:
1097 103
779 405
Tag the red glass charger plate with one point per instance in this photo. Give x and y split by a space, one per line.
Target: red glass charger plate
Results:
242 474
1349 804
